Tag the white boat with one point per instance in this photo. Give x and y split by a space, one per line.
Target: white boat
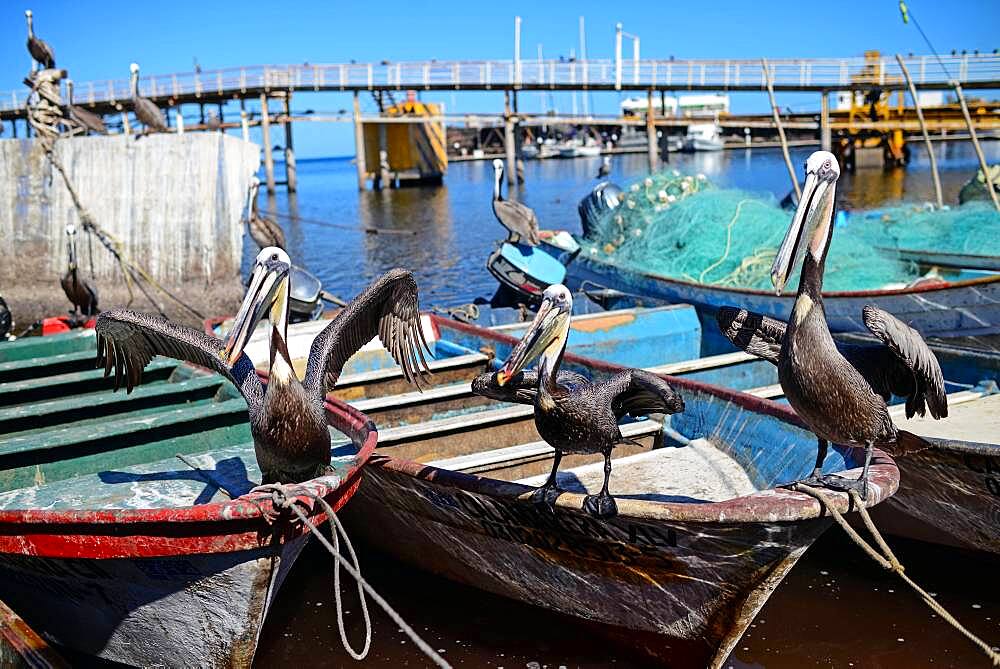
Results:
580 148
544 149
703 137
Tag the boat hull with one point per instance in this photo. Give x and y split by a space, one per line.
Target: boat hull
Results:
967 307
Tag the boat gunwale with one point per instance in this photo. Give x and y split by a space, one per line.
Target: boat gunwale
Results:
99 532
765 506
877 292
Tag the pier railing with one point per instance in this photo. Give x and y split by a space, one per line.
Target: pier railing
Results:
971 70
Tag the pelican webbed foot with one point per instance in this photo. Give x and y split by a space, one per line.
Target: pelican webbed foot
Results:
843 484
600 506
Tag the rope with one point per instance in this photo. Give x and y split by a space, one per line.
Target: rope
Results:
284 498
887 560
729 239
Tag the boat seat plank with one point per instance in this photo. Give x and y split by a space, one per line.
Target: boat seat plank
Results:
698 364
40 414
18 392
465 421
468 360
34 347
41 366
695 473
110 429
435 394
976 420
533 450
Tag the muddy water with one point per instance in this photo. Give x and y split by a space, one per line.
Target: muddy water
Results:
836 608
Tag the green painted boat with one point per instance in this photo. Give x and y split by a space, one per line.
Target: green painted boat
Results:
127 527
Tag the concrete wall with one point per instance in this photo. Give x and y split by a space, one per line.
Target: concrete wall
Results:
175 201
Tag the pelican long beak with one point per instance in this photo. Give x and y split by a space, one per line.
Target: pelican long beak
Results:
550 325
809 228
266 280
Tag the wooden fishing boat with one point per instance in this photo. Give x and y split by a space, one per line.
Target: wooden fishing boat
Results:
127 530
702 538
943 309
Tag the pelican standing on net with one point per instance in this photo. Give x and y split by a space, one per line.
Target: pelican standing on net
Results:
145 109
518 218
572 414
840 392
287 420
39 49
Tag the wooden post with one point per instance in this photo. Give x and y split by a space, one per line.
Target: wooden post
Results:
781 129
359 143
825 140
975 143
923 129
518 142
126 128
291 178
651 143
508 139
265 131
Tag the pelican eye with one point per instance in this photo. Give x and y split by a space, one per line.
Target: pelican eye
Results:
274 256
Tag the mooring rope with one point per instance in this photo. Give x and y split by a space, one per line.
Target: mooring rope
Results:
283 497
887 559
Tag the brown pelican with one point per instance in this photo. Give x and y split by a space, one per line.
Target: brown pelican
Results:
839 392
605 169
84 118
145 109
80 292
518 218
264 231
291 438
573 415
39 48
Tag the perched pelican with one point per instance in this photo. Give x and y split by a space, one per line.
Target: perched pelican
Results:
264 231
839 392
605 169
290 433
84 118
573 415
80 292
39 48
145 109
518 218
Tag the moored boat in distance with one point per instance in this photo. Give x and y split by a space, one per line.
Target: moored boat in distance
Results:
703 137
123 510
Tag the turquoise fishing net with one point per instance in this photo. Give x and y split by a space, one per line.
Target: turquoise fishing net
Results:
683 227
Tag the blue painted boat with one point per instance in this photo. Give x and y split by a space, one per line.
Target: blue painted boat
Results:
941 309
703 536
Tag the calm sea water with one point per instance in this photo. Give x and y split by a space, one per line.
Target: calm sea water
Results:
834 609
450 230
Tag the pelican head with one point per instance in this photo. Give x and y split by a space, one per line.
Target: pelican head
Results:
497 176
268 290
134 68
810 226
546 336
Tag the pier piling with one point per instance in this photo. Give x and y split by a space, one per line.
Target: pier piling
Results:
508 140
825 140
651 144
291 176
265 130
359 143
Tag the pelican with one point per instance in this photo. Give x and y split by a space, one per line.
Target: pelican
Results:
39 48
84 118
264 231
605 169
573 415
291 438
80 292
839 392
145 109
518 218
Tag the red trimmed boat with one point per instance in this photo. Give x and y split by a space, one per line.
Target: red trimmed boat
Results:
127 530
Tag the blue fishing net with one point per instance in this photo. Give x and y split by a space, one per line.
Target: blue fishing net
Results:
683 227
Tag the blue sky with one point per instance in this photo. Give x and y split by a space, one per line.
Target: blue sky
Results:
99 40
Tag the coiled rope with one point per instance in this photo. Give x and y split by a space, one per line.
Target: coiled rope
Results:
284 497
887 560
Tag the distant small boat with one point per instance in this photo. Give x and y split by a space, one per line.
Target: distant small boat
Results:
118 534
580 148
548 148
703 137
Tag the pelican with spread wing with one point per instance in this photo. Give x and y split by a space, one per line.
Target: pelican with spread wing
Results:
840 391
291 437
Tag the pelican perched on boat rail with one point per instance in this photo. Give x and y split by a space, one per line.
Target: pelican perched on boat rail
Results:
572 414
291 438
839 391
